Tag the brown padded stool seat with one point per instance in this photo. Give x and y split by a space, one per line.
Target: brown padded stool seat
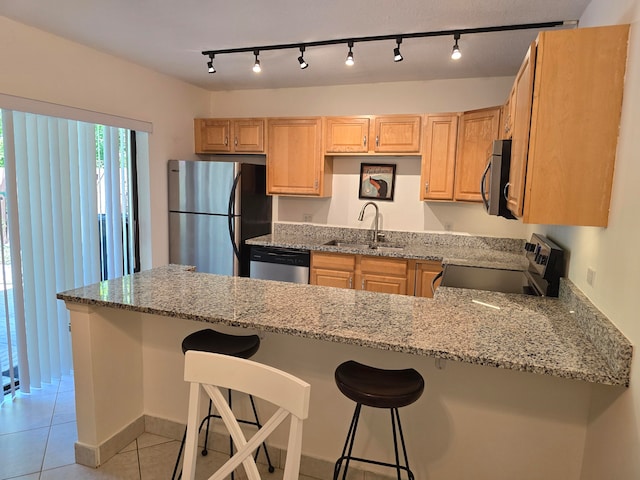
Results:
216 342
379 388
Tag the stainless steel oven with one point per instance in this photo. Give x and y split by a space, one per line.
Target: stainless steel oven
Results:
541 278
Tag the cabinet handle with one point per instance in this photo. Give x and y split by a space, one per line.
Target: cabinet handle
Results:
365 141
315 184
377 141
226 141
235 141
363 284
426 187
350 282
505 192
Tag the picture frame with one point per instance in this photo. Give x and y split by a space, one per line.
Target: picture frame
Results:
377 181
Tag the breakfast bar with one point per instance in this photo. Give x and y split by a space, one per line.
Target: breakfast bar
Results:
544 357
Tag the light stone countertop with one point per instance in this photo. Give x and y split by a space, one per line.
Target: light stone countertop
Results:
530 334
489 252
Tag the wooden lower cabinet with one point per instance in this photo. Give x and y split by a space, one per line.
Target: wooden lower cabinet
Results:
332 269
373 274
426 271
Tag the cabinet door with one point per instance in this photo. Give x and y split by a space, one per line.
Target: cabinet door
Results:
346 135
478 129
248 135
397 134
212 135
425 273
382 274
383 284
294 157
332 269
439 157
521 101
331 278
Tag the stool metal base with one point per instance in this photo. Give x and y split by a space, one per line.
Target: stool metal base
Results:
205 450
351 435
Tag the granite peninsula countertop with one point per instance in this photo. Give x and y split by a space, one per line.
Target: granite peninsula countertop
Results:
531 334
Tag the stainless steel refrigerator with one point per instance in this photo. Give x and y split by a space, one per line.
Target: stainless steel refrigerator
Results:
213 208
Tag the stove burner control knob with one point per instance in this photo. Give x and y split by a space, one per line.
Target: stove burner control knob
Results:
542 259
529 247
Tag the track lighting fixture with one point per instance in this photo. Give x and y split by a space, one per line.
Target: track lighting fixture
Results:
349 61
256 65
456 54
210 66
397 56
301 60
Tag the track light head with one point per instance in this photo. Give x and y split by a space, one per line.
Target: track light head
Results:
256 65
397 56
210 66
349 61
301 60
455 53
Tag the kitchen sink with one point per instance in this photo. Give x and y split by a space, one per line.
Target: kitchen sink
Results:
388 247
346 244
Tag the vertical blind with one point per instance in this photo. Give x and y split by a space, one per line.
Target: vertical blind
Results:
67 190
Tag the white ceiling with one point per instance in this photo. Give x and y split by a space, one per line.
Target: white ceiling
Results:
169 35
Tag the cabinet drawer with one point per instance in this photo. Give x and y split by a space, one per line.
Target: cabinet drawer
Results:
390 266
333 261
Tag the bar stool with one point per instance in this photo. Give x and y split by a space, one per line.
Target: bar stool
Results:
241 346
378 388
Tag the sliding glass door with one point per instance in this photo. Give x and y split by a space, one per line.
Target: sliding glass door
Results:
67 218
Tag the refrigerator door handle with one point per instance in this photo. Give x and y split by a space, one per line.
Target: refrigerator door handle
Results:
231 215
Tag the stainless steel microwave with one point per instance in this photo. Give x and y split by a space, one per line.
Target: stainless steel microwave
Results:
495 179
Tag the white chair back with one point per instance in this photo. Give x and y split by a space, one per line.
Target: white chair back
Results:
288 393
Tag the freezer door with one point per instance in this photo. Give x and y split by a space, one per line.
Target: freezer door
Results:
201 240
200 186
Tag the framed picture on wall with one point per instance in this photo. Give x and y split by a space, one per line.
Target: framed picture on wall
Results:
377 181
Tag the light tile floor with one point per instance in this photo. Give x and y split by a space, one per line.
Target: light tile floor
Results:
38 432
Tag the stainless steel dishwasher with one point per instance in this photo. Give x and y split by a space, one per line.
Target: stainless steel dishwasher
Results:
282 264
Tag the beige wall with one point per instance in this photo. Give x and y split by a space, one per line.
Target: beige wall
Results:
40 66
613 442
406 212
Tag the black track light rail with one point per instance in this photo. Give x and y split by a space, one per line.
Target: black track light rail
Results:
376 38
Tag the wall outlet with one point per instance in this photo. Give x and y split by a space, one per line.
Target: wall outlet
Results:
591 276
306 217
448 227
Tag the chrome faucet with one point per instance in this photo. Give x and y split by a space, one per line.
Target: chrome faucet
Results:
376 234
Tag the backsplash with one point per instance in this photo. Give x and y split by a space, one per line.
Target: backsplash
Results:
358 235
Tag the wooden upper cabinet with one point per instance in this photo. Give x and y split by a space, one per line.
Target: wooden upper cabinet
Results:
214 135
397 134
575 117
346 135
521 99
248 135
370 134
439 157
477 130
295 164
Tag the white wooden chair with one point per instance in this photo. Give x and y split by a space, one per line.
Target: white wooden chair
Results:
290 394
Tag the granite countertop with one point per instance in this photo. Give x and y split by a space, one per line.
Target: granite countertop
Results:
453 249
531 334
